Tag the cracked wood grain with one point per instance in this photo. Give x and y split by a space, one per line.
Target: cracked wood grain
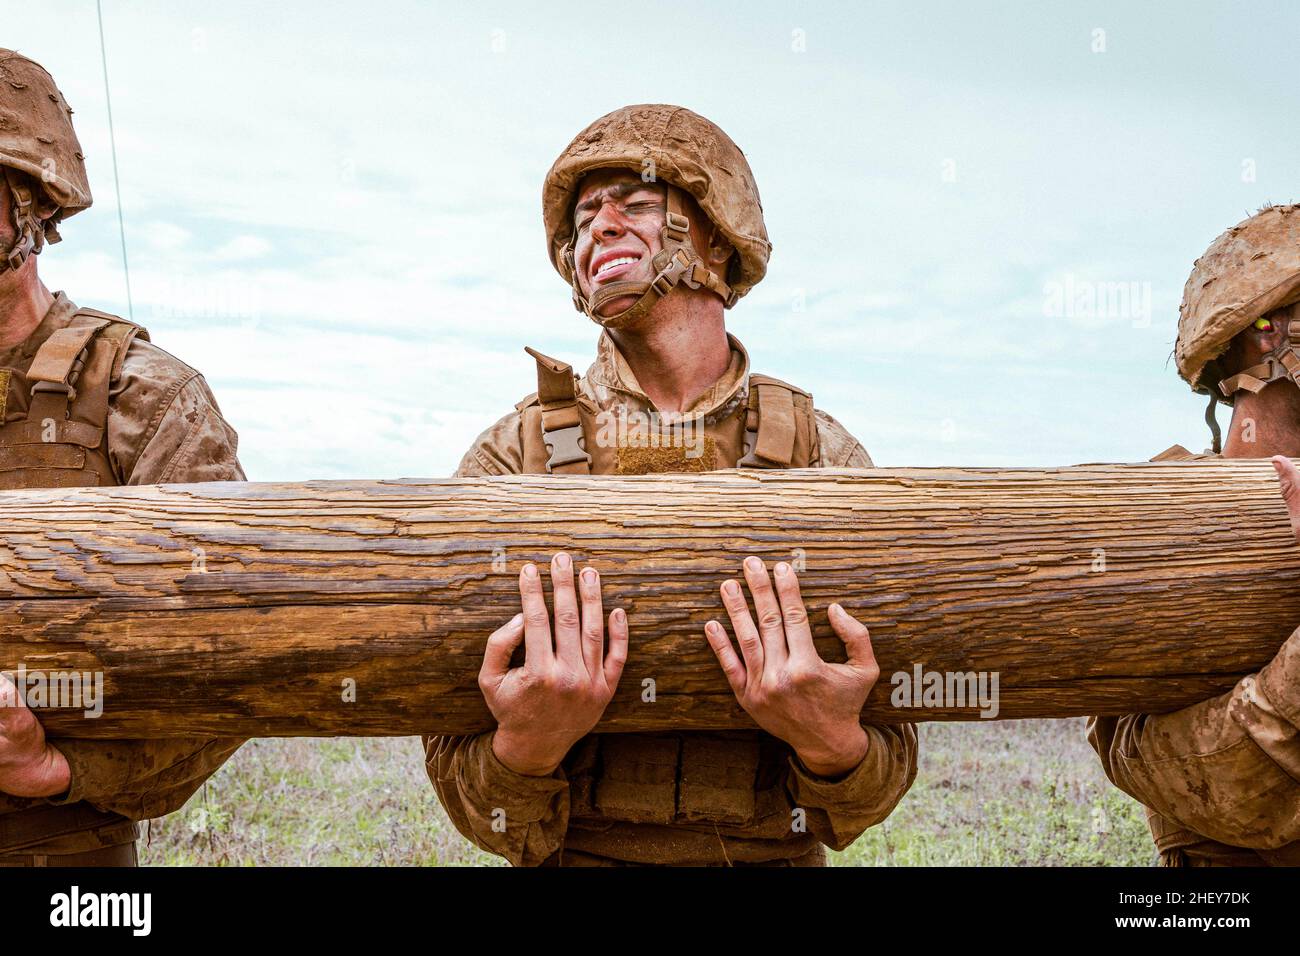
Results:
242 609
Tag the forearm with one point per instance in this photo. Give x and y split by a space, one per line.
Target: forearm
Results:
140 779
1227 768
838 810
520 817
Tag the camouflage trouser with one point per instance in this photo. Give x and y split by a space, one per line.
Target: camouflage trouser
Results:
75 834
121 855
814 857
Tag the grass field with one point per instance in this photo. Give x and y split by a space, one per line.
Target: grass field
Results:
998 793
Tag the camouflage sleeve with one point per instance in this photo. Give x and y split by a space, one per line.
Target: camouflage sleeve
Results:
840 810
141 779
164 426
513 815
1227 768
499 450
171 432
839 449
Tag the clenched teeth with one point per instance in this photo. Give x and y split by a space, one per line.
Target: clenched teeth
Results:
622 260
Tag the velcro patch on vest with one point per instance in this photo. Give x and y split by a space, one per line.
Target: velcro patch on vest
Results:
638 781
14 457
718 779
5 375
48 478
639 459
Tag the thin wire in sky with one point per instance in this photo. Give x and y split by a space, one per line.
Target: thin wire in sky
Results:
112 141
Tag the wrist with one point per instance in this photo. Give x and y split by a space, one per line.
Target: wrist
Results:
838 760
523 757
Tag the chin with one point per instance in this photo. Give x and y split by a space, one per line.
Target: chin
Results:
614 307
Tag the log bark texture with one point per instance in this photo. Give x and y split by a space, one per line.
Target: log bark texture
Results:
247 609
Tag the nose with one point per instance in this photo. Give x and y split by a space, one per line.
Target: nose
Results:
608 222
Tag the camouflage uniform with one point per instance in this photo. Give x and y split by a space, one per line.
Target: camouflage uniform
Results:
1221 779
665 798
87 400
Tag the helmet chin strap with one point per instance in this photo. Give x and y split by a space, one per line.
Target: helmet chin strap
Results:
1281 363
677 262
30 233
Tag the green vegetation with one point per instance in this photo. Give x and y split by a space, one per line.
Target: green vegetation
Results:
1008 793
1002 793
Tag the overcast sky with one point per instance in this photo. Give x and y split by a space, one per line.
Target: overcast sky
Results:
334 212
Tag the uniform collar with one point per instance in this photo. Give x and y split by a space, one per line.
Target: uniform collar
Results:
611 371
59 315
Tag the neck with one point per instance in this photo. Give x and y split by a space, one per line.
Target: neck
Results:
679 349
1265 424
24 301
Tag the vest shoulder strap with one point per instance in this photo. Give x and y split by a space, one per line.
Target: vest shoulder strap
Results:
61 357
756 378
57 358
780 429
559 418
121 333
1179 453
1173 453
62 440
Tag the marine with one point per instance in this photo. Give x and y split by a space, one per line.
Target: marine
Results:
654 220
1220 779
86 399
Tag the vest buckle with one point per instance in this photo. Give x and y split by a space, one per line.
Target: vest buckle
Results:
750 460
59 387
566 446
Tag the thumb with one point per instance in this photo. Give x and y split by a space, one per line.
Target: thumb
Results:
856 638
500 646
1289 480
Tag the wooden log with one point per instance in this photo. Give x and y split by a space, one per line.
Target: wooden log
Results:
252 609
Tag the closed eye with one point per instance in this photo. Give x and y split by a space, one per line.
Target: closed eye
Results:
639 207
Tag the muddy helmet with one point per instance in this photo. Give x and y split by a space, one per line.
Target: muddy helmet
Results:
38 141
1249 271
692 156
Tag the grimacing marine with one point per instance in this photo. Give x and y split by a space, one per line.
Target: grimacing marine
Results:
692 798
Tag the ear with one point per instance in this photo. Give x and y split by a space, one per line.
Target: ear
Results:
720 249
1265 341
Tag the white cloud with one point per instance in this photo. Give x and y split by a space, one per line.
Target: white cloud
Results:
164 237
242 248
337 218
